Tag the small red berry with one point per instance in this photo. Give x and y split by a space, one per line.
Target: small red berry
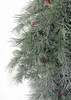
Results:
33 24
42 60
63 95
47 2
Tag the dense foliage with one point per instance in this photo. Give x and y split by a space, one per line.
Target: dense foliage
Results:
43 52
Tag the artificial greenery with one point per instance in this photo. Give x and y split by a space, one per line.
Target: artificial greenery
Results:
50 40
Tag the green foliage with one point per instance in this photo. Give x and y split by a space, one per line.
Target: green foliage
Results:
49 39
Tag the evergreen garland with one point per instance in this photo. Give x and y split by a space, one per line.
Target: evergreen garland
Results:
44 54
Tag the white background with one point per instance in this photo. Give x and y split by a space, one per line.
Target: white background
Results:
8 90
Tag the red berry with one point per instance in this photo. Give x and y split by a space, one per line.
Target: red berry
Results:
42 61
63 95
33 24
47 2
